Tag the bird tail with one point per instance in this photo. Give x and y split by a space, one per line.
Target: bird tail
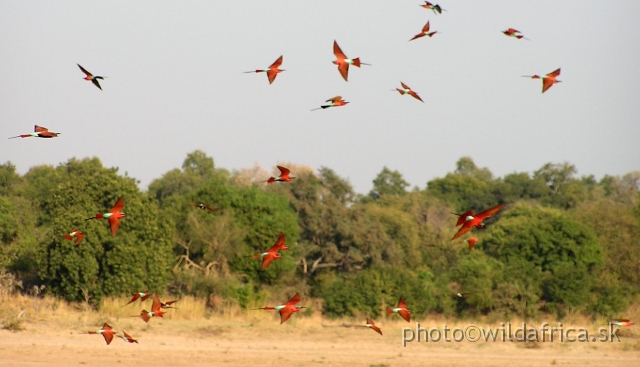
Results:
389 311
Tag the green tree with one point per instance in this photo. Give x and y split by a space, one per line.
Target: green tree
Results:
388 182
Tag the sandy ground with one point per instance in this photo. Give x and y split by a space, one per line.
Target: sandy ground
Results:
266 343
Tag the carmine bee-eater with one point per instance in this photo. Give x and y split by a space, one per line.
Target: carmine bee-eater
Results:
272 254
622 322
127 338
373 326
284 176
155 309
93 78
203 207
436 8
401 310
106 332
114 215
140 295
468 220
168 304
461 294
272 71
472 242
547 80
75 234
425 32
336 101
38 132
406 90
514 33
343 61
287 309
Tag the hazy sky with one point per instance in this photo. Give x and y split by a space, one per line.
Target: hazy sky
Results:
175 84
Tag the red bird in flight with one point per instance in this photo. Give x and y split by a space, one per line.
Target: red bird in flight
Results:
127 338
547 80
168 304
336 101
343 61
75 234
436 8
401 310
622 322
373 326
461 294
38 132
94 79
406 90
468 220
272 253
514 33
155 309
272 71
114 215
140 295
287 309
203 207
106 332
425 32
284 176
472 242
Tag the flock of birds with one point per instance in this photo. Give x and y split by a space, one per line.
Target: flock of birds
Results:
466 220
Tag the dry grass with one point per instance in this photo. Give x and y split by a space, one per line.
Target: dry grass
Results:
196 336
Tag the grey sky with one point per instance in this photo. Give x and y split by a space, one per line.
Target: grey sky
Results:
175 84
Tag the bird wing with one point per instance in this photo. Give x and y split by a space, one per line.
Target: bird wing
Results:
96 83
554 73
466 227
267 259
84 70
276 64
546 84
402 303
119 206
134 298
272 74
489 212
279 243
108 337
343 68
79 237
106 327
376 329
511 30
404 86
415 95
295 299
420 35
425 29
114 223
39 129
334 99
156 303
285 313
284 171
405 315
338 52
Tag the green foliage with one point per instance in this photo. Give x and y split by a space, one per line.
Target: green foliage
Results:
563 253
563 243
388 182
137 257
